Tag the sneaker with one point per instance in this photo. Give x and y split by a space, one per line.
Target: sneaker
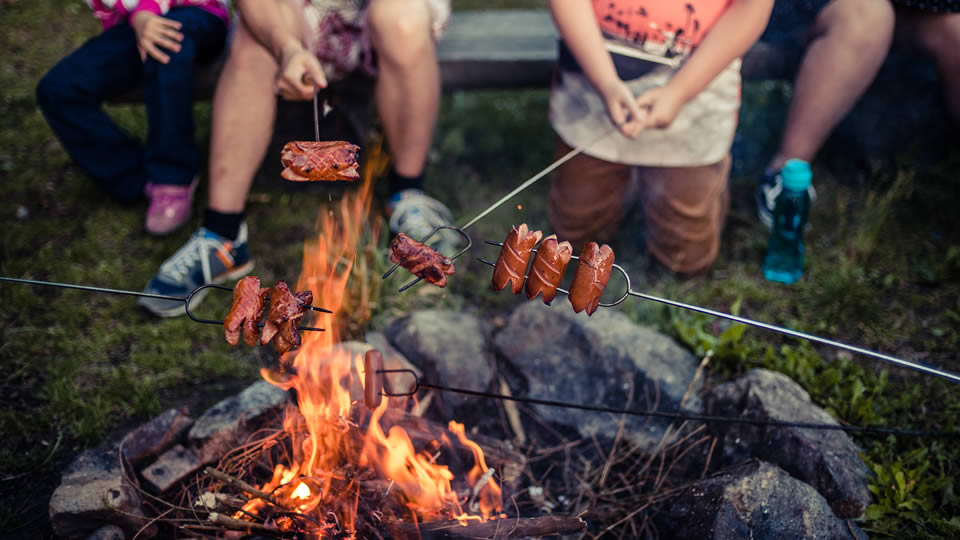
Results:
207 258
169 206
416 214
770 186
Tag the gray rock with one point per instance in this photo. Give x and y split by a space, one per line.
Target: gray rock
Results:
222 426
753 500
156 436
597 360
450 347
93 492
108 532
827 460
171 467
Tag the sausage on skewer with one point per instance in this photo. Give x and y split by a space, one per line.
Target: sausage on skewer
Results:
286 310
549 264
421 260
593 274
307 161
514 257
245 312
372 379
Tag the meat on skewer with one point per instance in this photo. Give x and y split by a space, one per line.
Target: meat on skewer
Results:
307 161
286 310
593 274
421 260
549 264
245 312
514 256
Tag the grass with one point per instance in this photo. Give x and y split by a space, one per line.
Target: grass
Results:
883 272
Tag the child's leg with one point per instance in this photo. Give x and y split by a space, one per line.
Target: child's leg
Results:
70 96
587 198
172 156
685 209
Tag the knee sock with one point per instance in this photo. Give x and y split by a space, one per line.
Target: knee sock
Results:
226 225
397 183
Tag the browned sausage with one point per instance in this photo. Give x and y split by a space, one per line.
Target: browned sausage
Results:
593 274
421 260
514 256
245 312
548 267
372 379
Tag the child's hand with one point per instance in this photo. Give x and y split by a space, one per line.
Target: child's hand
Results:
661 106
622 108
299 70
153 32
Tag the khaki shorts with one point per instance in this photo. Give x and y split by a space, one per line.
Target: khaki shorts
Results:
684 207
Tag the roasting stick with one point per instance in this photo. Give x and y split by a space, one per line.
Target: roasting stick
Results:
529 182
202 290
953 377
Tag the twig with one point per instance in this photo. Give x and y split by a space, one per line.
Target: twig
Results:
244 526
242 486
422 405
513 415
706 466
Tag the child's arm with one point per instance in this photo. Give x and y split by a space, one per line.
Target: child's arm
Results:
735 31
578 25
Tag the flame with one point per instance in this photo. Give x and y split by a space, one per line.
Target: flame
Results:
321 475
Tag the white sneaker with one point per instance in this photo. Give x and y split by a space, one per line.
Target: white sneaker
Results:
416 214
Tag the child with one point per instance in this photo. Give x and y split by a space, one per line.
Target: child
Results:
153 43
674 95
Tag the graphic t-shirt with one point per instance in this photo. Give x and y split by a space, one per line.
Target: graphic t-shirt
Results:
667 28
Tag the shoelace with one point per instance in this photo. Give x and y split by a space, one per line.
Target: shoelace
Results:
181 262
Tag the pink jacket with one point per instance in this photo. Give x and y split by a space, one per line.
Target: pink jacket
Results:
112 12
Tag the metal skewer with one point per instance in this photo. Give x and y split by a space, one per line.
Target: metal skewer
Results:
953 377
671 415
529 182
202 290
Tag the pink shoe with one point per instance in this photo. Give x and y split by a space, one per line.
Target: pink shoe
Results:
170 207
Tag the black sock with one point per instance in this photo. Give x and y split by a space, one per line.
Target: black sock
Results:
398 183
226 225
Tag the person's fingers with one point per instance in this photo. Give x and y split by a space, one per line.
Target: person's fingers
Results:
286 90
168 44
169 23
616 113
143 53
170 33
156 53
314 72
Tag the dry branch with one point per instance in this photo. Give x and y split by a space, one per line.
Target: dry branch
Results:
500 528
242 486
244 526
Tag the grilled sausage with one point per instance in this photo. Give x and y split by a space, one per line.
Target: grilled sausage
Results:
421 260
372 379
245 311
548 267
286 310
514 256
593 274
307 161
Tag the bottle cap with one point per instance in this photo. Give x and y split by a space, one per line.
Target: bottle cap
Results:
796 175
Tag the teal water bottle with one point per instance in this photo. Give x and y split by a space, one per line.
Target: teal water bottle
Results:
784 260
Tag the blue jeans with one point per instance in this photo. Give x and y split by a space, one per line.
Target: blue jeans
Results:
108 65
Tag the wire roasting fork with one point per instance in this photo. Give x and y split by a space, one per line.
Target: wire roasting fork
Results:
953 377
201 291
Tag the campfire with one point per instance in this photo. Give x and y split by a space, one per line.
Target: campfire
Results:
338 468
